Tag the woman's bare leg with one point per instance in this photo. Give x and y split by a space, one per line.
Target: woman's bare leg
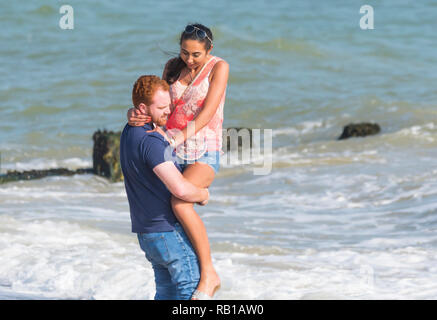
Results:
201 175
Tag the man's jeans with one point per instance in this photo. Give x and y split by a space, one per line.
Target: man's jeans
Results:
174 262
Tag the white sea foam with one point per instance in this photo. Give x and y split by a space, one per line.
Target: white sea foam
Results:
347 226
52 250
59 259
305 127
65 260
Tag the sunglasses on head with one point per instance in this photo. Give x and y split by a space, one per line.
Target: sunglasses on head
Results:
201 34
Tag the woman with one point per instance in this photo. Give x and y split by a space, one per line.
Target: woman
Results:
197 88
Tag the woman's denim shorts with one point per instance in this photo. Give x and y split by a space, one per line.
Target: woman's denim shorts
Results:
212 158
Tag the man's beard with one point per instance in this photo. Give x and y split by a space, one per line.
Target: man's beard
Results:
161 121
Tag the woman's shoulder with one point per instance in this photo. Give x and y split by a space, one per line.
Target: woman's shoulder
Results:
220 67
220 64
219 59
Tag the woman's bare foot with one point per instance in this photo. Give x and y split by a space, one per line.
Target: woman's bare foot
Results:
209 282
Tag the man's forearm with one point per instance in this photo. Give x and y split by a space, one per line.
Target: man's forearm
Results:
178 185
190 193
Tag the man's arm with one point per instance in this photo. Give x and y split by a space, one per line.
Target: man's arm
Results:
178 185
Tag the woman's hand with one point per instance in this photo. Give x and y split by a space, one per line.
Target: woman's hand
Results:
137 117
204 202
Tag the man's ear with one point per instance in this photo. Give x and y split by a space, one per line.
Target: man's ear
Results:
143 108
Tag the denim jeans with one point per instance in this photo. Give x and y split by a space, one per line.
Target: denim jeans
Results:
174 262
212 158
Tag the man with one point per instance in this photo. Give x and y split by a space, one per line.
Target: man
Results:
150 177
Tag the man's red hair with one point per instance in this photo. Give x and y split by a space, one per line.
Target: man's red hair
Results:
145 87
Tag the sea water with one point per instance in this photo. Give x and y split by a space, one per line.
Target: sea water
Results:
351 219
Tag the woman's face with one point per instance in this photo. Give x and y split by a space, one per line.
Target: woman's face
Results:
193 53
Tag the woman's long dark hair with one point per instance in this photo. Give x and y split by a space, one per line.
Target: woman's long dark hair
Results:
176 65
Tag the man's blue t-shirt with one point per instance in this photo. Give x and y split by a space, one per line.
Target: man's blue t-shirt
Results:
149 198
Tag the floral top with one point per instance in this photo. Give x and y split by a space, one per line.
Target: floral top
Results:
187 102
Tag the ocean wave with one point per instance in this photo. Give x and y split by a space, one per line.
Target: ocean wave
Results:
37 110
44 10
245 41
305 127
42 164
423 135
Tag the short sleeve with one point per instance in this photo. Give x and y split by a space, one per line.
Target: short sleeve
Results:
155 150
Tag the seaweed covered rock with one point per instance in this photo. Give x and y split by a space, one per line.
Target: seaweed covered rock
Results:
106 155
106 150
11 176
359 130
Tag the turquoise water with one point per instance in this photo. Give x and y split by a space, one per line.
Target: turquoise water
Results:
327 213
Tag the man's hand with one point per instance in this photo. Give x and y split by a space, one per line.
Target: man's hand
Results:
137 117
204 202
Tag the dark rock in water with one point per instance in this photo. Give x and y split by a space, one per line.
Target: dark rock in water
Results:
359 130
106 151
11 176
106 155
234 138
